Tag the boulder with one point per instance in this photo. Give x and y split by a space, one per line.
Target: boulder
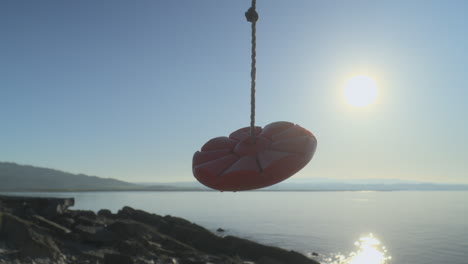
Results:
104 213
84 220
268 260
117 259
46 207
153 220
88 214
96 235
51 225
129 229
30 239
66 221
192 234
254 251
125 229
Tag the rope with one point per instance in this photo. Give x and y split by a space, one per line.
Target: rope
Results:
252 16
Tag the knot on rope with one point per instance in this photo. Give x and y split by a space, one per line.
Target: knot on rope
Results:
251 15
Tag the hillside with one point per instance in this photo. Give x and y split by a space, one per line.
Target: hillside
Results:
15 177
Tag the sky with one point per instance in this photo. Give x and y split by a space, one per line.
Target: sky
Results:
131 89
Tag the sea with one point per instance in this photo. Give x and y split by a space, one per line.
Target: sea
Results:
398 227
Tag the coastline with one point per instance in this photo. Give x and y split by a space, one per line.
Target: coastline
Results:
44 230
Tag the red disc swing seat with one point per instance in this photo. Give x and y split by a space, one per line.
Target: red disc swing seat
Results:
253 157
234 164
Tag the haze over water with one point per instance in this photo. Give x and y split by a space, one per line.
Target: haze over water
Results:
342 227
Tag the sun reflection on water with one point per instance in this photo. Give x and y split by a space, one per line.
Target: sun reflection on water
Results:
369 251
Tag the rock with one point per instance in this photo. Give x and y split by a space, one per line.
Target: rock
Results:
84 220
30 239
191 261
202 239
66 221
131 247
129 236
104 213
125 229
88 214
95 235
117 259
141 216
128 229
192 234
52 225
46 207
254 251
220 230
268 260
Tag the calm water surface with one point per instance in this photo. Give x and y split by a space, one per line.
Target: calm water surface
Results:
343 227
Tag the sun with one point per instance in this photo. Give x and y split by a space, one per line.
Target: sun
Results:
360 91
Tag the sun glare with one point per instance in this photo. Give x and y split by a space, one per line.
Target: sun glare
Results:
360 91
369 251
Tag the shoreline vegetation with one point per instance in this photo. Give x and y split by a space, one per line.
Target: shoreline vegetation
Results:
45 230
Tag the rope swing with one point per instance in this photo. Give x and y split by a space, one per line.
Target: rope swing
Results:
252 17
253 157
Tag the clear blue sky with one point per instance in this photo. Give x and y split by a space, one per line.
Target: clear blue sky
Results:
131 89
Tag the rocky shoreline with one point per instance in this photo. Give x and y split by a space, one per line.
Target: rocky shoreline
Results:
45 230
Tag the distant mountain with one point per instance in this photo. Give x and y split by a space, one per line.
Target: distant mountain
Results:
365 185
183 185
15 177
325 184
